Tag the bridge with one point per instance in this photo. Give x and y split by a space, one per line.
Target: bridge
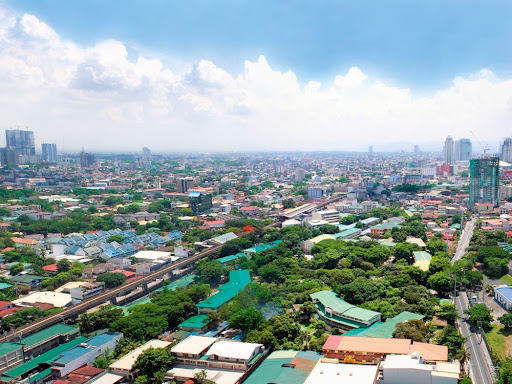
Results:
105 297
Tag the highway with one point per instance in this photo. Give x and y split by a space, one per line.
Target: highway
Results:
480 363
103 297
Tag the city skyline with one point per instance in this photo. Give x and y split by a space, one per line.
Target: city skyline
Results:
115 90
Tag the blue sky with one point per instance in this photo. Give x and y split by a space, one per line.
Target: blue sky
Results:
418 43
259 74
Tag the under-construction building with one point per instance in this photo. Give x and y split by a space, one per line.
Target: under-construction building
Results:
484 181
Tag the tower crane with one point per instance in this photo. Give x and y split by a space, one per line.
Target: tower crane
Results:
485 148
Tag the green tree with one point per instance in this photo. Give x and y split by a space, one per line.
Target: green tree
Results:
63 266
117 238
479 314
210 271
288 203
246 319
154 360
448 311
404 251
16 269
111 280
441 282
414 329
506 320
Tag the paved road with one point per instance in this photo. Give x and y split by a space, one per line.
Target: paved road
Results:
464 239
481 368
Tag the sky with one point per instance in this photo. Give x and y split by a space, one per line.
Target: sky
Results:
200 75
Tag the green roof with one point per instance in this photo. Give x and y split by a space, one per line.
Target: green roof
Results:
272 370
41 375
347 232
422 255
263 247
5 285
238 279
47 333
27 279
387 328
361 332
331 300
45 358
227 259
6 348
182 282
197 322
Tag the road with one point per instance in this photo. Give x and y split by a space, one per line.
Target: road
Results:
480 363
481 368
103 297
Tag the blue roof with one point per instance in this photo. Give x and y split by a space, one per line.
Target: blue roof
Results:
194 194
174 235
506 292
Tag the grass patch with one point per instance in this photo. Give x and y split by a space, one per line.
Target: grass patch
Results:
500 340
506 279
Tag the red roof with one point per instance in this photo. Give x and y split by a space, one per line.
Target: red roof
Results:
251 208
4 303
8 311
87 370
50 268
126 273
8 249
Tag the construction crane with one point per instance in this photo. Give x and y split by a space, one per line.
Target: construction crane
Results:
485 149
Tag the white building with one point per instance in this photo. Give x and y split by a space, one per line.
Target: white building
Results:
332 216
399 369
503 295
329 371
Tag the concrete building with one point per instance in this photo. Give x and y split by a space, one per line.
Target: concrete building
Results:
462 150
124 366
84 353
21 141
11 354
85 291
484 181
332 216
338 314
315 192
399 369
503 295
448 150
48 338
49 153
183 185
506 150
330 371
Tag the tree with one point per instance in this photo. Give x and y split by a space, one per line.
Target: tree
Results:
117 238
153 360
63 266
232 247
448 311
403 251
22 317
210 271
441 282
16 269
480 315
349 219
101 319
288 203
435 246
414 329
506 320
246 319
111 280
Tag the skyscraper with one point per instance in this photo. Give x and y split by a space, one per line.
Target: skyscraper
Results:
417 150
462 150
448 150
506 150
21 141
49 153
370 150
484 180
86 159
146 153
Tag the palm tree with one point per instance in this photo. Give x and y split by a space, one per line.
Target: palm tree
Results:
462 355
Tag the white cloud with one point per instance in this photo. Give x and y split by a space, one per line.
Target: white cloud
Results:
99 97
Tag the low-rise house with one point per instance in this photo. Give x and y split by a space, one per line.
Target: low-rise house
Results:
503 295
85 291
124 366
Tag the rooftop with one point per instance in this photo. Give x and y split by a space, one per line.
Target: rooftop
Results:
342 373
233 349
387 328
194 345
48 333
126 362
330 300
238 279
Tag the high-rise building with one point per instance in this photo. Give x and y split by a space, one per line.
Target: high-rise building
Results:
462 150
484 181
49 152
21 141
146 153
370 150
417 151
9 157
183 185
506 150
448 150
86 159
